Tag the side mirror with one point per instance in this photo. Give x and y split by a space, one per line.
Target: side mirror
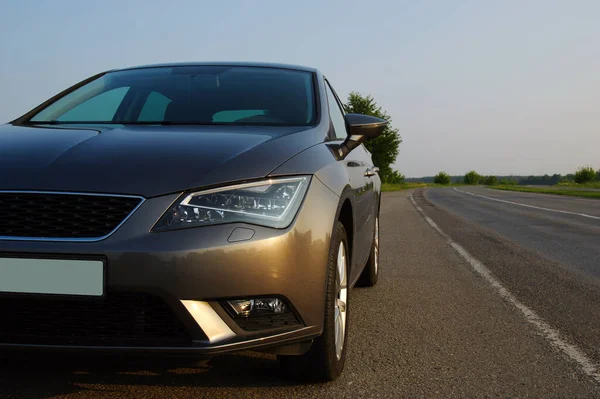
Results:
360 129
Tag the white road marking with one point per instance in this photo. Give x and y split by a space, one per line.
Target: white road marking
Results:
585 215
546 330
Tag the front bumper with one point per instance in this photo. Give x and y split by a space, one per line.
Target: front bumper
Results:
194 270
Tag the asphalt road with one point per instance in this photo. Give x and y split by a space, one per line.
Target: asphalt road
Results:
432 327
544 248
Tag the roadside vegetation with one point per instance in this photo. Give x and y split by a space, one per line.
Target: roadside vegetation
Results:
384 148
490 181
574 184
583 185
442 178
586 175
557 191
472 178
403 186
408 186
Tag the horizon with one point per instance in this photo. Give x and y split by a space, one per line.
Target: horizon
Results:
497 174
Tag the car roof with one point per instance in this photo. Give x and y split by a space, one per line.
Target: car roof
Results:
227 63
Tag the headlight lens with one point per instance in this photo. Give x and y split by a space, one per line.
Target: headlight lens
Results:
271 203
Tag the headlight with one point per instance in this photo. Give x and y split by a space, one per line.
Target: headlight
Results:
271 203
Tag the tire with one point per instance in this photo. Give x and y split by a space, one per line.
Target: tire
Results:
325 359
370 274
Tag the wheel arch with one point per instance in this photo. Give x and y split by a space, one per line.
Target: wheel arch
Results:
346 217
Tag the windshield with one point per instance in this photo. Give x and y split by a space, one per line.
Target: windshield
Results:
203 95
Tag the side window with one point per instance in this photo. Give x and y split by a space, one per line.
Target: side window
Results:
336 114
102 107
154 108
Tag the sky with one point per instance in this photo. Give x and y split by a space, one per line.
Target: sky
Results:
502 87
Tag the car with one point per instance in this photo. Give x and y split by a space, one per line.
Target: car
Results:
189 209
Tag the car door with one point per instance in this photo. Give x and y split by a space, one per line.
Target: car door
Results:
360 171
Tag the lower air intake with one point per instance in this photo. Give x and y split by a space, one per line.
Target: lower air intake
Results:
116 320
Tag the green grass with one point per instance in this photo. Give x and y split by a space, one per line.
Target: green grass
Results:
402 186
557 191
408 186
585 185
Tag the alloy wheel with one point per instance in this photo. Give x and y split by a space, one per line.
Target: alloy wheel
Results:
341 301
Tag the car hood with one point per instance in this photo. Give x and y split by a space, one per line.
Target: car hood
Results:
142 160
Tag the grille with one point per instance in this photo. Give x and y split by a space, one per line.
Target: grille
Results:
267 322
116 320
62 215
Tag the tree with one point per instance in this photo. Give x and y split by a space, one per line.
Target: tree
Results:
472 178
568 178
385 147
585 174
442 178
541 180
490 181
509 181
395 178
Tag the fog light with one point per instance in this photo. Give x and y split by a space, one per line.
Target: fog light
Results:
246 307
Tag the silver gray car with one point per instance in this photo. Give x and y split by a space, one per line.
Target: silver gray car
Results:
189 209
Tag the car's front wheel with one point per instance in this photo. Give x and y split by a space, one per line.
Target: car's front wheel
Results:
326 357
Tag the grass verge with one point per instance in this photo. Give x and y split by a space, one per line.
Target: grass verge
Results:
402 186
557 191
408 186
577 185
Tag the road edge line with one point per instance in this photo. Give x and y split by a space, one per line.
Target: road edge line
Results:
585 215
551 334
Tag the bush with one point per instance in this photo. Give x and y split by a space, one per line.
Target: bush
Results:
442 178
569 178
394 177
509 182
585 174
490 181
472 178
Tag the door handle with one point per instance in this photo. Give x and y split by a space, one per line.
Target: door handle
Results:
371 171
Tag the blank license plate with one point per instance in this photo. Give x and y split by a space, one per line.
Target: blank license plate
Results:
52 276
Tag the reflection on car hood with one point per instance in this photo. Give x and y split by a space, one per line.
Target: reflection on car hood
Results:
142 160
